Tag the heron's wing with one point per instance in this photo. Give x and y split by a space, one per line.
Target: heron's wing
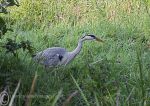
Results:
50 56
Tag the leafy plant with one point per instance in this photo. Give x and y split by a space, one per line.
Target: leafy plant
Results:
3 9
12 46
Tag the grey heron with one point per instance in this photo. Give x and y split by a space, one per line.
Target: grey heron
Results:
56 56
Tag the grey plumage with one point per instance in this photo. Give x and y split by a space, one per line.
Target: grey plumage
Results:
51 56
55 56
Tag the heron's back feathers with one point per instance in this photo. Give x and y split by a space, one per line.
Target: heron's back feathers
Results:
51 56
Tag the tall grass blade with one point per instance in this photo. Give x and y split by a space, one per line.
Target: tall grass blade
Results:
13 96
56 98
128 98
82 94
96 99
118 98
28 100
139 59
66 103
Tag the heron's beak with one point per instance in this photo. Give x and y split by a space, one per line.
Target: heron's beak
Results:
99 40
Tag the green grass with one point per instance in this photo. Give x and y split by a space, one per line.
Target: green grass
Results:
102 72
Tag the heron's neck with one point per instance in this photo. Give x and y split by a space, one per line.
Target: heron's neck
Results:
72 55
77 49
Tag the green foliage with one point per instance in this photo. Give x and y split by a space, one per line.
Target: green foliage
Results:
3 9
7 3
12 46
3 28
115 72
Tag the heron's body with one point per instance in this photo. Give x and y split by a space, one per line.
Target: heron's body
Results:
51 56
56 56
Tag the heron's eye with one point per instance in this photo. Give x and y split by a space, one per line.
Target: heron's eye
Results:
83 37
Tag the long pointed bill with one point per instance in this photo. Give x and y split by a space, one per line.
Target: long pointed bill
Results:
99 40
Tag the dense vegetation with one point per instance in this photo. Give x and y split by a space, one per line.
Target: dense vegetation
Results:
116 72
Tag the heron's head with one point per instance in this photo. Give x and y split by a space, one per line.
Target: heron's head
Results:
91 37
